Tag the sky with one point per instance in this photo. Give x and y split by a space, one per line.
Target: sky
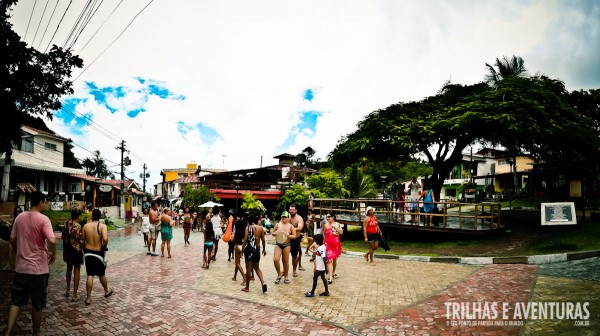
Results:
231 84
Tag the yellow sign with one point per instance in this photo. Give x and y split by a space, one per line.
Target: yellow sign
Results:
575 188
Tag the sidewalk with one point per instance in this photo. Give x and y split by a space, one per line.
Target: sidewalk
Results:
160 296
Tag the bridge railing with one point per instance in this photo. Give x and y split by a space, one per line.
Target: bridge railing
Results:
450 215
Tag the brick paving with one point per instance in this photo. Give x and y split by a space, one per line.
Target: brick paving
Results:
160 296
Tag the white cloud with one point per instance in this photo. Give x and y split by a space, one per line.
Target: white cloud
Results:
244 66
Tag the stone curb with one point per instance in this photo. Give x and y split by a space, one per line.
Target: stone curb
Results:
531 260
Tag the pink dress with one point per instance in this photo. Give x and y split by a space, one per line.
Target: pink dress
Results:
333 244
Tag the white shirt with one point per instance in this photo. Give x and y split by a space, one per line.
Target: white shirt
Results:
414 190
216 223
321 253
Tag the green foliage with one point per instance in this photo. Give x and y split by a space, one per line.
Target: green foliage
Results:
359 184
32 81
522 114
505 68
193 197
295 194
251 204
327 184
96 166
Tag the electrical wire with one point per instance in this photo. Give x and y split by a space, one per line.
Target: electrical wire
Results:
77 22
48 24
58 26
39 24
102 25
30 16
115 40
86 20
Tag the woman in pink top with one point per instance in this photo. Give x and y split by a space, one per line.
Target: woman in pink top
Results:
371 232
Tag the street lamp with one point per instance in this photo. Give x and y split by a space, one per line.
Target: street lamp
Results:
237 190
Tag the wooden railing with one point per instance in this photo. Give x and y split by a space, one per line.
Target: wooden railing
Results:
450 215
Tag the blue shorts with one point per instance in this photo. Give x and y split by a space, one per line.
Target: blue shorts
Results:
34 285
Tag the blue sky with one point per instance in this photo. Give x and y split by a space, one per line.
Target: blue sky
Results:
232 84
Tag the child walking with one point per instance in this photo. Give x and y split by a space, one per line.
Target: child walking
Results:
320 252
209 236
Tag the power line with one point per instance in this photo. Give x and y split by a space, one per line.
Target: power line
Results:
115 40
48 24
86 20
39 24
58 26
102 25
77 22
30 16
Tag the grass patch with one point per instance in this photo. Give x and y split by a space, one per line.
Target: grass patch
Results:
581 237
533 202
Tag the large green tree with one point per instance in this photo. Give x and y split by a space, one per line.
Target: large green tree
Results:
96 166
327 184
193 197
31 82
522 114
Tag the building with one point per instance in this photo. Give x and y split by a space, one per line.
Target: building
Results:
267 183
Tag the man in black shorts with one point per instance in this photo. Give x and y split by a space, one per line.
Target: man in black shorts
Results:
295 250
31 230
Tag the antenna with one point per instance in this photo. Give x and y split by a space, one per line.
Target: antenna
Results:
223 155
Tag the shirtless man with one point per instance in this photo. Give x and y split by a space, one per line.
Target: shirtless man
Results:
154 229
254 237
95 236
295 249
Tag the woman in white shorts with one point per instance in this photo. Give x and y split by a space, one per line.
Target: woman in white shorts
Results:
145 226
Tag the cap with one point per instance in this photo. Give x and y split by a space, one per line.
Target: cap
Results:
368 209
285 214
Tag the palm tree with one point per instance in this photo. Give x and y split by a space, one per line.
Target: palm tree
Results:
504 68
96 166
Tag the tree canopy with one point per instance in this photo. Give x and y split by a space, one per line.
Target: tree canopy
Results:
31 82
523 114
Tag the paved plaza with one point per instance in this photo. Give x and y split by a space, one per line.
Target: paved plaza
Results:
161 296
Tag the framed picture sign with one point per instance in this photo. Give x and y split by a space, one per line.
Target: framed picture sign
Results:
559 213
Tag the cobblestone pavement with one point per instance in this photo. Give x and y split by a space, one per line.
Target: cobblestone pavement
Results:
161 296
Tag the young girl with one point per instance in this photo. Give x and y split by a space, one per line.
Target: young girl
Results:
209 236
321 254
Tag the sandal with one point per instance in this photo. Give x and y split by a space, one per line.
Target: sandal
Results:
88 301
309 294
67 294
330 281
295 275
278 280
264 287
324 294
301 268
75 298
335 276
286 281
245 290
109 293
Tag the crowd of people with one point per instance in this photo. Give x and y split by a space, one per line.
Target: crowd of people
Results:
246 236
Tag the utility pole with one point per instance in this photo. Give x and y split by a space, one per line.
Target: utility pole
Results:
144 176
124 162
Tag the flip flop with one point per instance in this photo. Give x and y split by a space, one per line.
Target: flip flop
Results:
301 269
309 294
335 276
88 301
67 294
286 281
329 281
324 294
109 293
264 287
75 298
245 290
278 280
295 275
